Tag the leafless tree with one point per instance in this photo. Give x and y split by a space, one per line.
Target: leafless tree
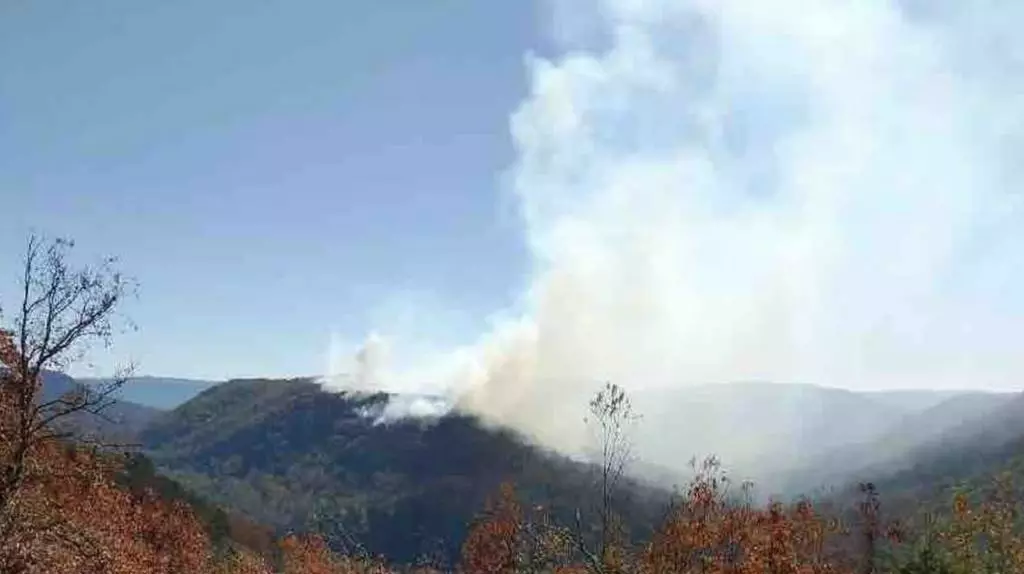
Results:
63 311
612 418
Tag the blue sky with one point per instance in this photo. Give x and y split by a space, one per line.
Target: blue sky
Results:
269 171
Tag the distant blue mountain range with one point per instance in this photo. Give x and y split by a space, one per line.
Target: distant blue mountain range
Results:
163 393
119 421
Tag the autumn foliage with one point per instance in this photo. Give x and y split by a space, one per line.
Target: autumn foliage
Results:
493 545
69 514
61 507
507 538
708 531
65 512
715 529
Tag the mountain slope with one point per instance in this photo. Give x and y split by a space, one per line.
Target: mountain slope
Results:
960 445
918 400
758 430
918 438
974 446
296 457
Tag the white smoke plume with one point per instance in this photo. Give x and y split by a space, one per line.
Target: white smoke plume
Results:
813 191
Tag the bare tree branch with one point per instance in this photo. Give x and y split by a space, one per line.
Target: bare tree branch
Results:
611 417
63 312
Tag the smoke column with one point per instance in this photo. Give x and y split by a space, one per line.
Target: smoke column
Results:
713 191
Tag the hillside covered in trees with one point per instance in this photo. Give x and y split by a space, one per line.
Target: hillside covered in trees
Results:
294 456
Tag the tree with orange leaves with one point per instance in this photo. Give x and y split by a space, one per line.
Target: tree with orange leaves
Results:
709 531
506 539
307 555
311 555
77 519
238 561
492 544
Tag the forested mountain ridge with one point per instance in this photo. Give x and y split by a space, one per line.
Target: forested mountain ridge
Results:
968 452
969 422
296 457
758 429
